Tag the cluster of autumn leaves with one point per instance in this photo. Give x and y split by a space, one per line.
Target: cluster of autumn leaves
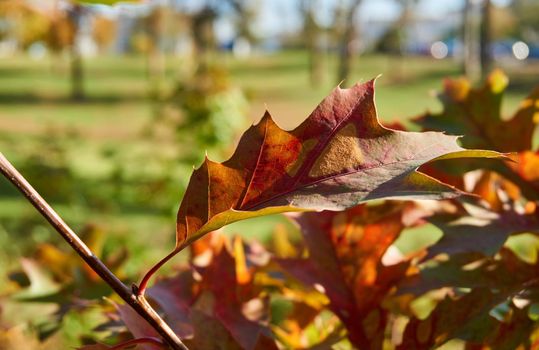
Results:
346 281
340 279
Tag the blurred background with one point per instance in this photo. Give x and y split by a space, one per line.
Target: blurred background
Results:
105 107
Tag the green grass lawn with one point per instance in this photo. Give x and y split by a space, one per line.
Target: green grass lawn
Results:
34 95
35 105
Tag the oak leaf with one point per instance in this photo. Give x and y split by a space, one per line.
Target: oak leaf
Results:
337 158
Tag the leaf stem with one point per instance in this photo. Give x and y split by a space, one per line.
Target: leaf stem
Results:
137 302
144 282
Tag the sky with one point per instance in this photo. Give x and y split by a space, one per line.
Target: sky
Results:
277 17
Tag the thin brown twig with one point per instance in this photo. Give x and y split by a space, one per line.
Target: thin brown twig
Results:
135 300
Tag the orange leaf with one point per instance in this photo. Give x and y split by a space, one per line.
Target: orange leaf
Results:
345 262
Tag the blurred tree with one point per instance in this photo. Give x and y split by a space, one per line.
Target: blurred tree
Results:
24 23
61 33
505 24
75 13
347 27
486 37
478 35
470 29
245 13
205 111
395 39
57 28
203 33
312 34
155 27
527 12
103 32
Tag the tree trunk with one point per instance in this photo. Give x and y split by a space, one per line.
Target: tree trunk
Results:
316 64
155 57
486 37
397 67
203 37
470 30
76 69
77 75
346 49
312 36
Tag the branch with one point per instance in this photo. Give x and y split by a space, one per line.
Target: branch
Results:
137 302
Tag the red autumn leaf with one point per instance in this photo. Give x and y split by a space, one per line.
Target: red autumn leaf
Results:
345 253
138 326
476 114
175 297
338 157
232 299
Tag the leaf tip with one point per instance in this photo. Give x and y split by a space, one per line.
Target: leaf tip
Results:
267 114
208 161
369 85
510 156
267 119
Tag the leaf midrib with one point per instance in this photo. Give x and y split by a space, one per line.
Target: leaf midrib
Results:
284 193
